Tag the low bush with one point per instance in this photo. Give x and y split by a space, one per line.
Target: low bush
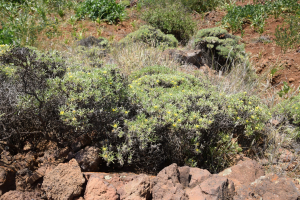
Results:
169 18
151 36
222 48
183 119
39 96
25 104
107 10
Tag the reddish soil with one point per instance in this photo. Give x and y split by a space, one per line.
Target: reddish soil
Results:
68 33
265 54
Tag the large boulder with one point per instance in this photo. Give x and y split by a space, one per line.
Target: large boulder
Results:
18 195
64 182
167 185
214 188
197 176
88 159
244 172
98 189
138 189
270 187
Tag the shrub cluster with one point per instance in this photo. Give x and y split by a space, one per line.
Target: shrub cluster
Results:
171 18
151 36
154 117
222 48
107 10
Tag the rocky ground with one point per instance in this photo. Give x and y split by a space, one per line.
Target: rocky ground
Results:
74 173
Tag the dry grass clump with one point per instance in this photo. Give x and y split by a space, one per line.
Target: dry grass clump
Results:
136 56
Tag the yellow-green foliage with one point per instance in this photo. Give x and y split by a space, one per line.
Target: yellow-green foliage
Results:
88 92
151 36
182 118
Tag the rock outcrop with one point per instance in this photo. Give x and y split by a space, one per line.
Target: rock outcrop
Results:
88 159
64 182
98 189
245 180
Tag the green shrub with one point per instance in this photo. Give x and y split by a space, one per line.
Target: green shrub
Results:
107 10
221 47
169 18
151 36
25 104
183 119
42 95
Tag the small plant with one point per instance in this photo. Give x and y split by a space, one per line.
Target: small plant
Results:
169 19
6 36
134 25
107 10
285 90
